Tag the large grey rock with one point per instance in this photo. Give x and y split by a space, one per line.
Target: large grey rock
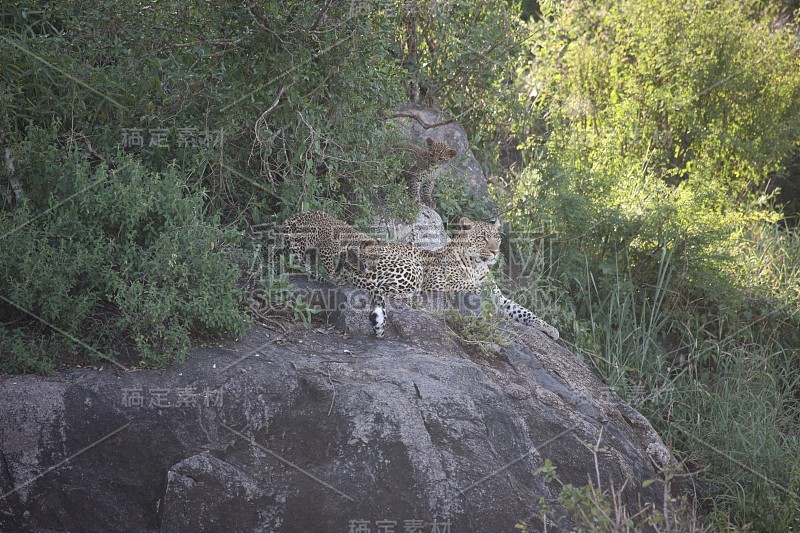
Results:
317 430
204 493
419 122
426 231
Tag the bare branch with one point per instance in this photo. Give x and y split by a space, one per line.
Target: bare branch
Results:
213 42
9 162
322 84
263 118
19 194
321 14
421 123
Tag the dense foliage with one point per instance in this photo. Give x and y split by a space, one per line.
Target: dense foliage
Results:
232 113
665 124
291 93
129 262
635 148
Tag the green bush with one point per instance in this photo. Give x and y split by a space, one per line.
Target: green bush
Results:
267 108
482 334
127 258
665 123
598 510
143 264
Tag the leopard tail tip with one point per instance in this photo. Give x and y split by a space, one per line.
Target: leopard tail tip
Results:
378 319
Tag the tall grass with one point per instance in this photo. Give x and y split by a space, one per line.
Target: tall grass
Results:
717 372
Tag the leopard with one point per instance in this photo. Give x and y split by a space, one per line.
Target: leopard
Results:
336 243
422 181
400 269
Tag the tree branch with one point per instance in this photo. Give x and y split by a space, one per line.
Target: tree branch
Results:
263 118
421 123
321 14
214 42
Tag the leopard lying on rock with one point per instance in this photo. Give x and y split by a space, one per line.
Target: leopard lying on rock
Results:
400 270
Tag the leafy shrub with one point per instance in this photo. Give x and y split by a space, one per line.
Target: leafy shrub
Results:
268 108
594 509
128 256
665 123
482 334
271 293
654 141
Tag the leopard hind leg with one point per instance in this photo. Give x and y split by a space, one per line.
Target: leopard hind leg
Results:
414 188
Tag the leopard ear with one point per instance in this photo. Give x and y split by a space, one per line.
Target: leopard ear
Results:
497 223
451 153
466 223
430 142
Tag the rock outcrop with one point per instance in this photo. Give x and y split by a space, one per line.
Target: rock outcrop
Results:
318 429
426 231
419 123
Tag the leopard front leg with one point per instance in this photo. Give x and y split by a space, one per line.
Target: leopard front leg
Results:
312 272
337 272
522 315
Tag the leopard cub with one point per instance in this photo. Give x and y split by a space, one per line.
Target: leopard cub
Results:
422 181
336 242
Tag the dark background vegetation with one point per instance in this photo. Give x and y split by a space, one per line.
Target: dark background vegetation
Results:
643 153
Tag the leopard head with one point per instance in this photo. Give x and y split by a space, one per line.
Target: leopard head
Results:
439 152
480 240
